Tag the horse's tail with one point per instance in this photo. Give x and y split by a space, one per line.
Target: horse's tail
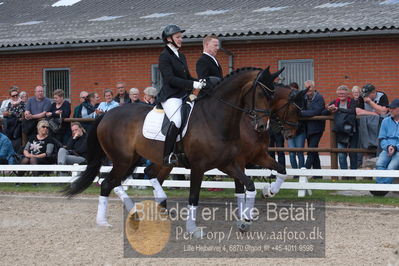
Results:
95 156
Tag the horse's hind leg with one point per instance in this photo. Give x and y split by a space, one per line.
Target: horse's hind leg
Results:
127 201
157 175
240 196
240 189
247 204
119 171
195 187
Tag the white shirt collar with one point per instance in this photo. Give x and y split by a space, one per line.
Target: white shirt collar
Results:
174 49
211 56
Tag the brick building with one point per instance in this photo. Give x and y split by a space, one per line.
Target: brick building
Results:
91 44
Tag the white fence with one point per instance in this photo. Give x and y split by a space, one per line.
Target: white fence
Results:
302 185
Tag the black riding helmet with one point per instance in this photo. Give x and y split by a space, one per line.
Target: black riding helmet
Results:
169 31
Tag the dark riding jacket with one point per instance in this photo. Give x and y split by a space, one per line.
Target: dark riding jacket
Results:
177 81
207 67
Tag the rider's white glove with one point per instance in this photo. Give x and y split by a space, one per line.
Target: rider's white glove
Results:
197 85
203 82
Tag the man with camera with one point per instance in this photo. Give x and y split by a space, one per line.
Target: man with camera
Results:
371 110
372 102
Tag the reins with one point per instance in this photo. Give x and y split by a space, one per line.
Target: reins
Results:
253 110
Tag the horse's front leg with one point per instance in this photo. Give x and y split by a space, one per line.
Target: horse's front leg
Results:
245 200
195 187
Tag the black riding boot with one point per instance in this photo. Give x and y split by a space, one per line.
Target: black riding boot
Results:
170 159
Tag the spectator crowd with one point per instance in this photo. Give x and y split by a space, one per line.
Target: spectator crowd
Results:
49 138
363 118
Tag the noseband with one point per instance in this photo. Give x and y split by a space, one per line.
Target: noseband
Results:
282 122
254 113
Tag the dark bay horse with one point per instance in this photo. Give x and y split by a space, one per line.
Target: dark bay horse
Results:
212 139
285 111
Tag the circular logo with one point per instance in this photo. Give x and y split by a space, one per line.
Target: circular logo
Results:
148 229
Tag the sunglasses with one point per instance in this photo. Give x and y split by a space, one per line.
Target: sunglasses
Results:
15 95
45 127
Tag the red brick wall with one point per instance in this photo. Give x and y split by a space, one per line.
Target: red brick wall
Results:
350 61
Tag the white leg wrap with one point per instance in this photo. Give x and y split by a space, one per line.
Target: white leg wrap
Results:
284 177
127 202
240 204
249 204
277 174
159 193
191 218
275 187
102 211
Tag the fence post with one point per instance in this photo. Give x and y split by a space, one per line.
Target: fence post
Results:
333 144
304 192
75 173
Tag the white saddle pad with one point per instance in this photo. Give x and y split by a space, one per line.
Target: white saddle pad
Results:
153 124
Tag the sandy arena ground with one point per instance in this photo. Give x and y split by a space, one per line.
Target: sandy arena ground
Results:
45 229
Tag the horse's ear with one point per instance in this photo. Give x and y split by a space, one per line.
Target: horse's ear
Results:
301 94
275 75
265 74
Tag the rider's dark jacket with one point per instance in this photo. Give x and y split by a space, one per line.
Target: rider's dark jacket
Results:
177 81
207 67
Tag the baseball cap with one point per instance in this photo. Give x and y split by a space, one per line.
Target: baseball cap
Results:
394 104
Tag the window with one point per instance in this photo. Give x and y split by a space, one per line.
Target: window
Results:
56 78
298 71
156 78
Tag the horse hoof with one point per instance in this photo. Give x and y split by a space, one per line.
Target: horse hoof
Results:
163 204
134 221
267 191
244 226
103 224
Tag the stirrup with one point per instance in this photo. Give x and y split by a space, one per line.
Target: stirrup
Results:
171 160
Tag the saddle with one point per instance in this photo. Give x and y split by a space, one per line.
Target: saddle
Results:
156 123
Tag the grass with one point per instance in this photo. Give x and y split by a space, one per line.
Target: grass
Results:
328 195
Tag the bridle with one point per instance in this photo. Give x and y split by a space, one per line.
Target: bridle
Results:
254 113
285 108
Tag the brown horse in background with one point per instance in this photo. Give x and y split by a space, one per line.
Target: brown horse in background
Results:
285 111
212 139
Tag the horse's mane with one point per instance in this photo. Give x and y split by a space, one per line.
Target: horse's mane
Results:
232 75
235 72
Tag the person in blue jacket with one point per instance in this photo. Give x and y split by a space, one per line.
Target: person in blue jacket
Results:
7 153
314 106
389 142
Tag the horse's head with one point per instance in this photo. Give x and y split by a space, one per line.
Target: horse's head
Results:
286 108
256 93
264 82
266 79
